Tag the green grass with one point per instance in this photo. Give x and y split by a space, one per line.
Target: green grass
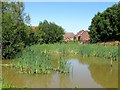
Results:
32 61
37 59
6 85
64 66
10 87
91 50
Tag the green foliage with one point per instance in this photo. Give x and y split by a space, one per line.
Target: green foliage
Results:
51 33
92 50
13 28
37 36
32 61
30 38
6 86
64 66
37 61
105 26
16 35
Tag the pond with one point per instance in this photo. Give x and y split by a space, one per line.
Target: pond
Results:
86 73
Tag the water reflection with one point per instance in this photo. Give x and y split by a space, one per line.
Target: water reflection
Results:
102 72
86 73
104 75
82 76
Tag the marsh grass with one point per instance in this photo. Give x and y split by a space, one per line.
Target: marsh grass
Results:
90 50
32 61
37 59
6 86
64 66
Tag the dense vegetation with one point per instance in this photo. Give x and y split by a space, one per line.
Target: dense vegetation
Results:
18 34
84 50
13 28
51 33
105 26
19 39
38 59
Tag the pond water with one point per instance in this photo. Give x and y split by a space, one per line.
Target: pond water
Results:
86 73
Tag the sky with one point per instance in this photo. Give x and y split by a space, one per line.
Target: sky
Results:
72 16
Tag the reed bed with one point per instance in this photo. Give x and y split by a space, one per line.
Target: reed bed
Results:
90 50
37 59
34 60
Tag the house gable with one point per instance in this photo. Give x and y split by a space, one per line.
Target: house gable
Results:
69 35
82 35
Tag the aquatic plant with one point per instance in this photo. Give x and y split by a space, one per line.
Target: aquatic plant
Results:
6 86
38 58
64 66
33 61
90 50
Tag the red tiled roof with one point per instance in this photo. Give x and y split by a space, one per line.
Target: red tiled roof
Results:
79 33
69 35
83 35
33 27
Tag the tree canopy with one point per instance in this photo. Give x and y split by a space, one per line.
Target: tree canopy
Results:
15 32
51 33
105 26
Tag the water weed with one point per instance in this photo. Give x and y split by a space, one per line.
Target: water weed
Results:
37 59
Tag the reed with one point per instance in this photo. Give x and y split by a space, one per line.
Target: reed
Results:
32 61
6 86
90 50
64 66
37 59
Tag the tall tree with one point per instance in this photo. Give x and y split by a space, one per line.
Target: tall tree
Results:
13 28
51 33
105 26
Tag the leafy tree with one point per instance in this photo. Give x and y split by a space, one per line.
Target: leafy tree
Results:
38 36
13 28
51 33
105 26
33 36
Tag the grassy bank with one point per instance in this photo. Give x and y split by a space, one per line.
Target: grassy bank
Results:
10 87
92 50
38 58
4 85
112 43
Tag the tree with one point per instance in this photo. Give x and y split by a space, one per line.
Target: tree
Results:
13 28
51 33
105 26
33 36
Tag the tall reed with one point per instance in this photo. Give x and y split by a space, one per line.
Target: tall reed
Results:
92 50
37 58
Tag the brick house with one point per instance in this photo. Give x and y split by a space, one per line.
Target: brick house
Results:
82 36
34 27
69 36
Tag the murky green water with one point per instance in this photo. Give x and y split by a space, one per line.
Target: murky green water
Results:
86 73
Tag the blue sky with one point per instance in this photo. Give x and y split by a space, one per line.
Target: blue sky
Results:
72 16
